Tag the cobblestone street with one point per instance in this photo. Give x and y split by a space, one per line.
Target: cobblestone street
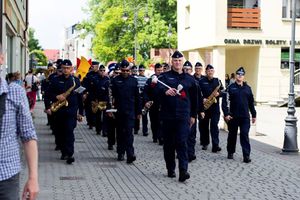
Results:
96 173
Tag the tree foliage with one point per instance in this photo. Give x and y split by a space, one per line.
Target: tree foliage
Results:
114 37
33 43
39 57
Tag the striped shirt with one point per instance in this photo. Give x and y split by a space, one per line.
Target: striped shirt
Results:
16 124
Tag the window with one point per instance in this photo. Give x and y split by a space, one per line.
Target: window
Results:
187 17
156 52
287 8
285 56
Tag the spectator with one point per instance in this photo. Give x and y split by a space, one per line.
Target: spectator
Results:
30 81
16 123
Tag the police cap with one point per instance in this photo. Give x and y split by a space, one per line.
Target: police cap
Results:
187 64
95 63
177 54
209 66
124 64
66 62
198 65
240 71
101 67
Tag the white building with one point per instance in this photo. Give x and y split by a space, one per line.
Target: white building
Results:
74 46
232 33
14 35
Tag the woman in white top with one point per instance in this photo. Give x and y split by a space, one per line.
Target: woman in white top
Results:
31 82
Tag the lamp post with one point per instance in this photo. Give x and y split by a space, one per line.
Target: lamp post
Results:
146 19
169 38
290 131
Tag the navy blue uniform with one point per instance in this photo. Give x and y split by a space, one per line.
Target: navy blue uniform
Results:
151 94
128 104
176 112
98 91
192 137
66 116
87 83
237 102
212 115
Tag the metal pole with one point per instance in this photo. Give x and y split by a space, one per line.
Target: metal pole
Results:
135 30
290 131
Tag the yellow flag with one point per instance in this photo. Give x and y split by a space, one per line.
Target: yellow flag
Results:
83 68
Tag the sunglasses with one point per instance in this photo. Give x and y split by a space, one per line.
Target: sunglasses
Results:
125 70
102 70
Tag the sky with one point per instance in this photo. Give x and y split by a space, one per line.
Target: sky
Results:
50 17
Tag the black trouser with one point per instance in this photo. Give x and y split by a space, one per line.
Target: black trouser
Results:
244 124
155 124
65 132
144 123
99 121
9 188
90 116
210 124
175 139
111 130
125 135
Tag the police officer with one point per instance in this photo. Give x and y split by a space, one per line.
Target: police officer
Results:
209 124
141 78
178 112
192 137
98 93
111 120
63 88
152 103
128 104
188 67
87 82
237 102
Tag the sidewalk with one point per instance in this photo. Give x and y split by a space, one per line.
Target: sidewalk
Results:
96 174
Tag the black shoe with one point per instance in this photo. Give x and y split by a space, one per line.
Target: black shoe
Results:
90 127
154 140
57 148
145 134
98 133
120 157
230 156
47 124
183 175
247 159
171 174
110 147
130 159
136 132
216 149
160 142
63 157
70 160
204 147
191 158
104 134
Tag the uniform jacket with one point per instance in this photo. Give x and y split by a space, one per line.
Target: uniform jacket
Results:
126 96
238 100
59 85
181 106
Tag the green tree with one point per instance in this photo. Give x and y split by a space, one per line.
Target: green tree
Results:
114 37
33 43
39 57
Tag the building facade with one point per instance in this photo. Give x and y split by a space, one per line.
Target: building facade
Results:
250 33
74 46
14 35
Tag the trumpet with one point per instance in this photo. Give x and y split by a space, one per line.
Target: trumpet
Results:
156 80
146 109
101 105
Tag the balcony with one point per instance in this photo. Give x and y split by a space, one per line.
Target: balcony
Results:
245 18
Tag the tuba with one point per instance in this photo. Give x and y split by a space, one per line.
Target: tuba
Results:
58 104
211 99
101 105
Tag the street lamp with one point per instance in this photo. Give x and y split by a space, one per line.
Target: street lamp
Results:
169 38
290 131
146 19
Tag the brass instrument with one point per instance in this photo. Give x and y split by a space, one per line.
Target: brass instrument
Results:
58 104
211 99
146 109
98 105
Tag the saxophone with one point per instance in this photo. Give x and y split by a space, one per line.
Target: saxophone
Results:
211 99
101 105
58 104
